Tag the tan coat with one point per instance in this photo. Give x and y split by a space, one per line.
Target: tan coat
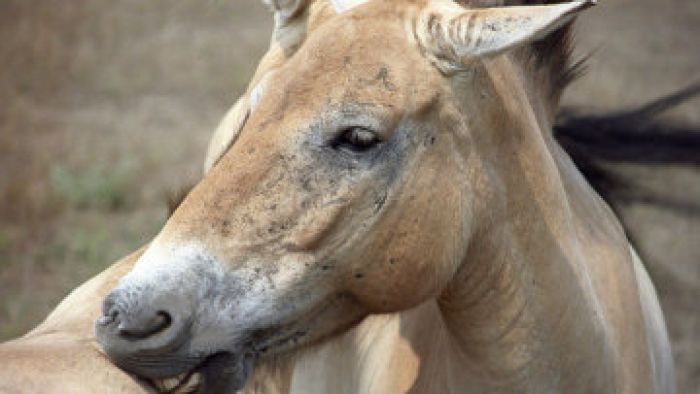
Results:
468 255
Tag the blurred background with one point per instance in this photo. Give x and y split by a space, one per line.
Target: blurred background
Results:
106 107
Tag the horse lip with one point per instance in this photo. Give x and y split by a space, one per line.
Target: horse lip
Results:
178 366
158 367
224 372
218 373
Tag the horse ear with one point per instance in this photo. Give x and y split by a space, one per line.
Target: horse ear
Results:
454 35
286 10
290 16
289 32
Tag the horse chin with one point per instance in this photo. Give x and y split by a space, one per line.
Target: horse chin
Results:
223 371
226 372
219 373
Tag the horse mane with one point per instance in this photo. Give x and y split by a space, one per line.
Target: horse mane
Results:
551 63
550 60
594 141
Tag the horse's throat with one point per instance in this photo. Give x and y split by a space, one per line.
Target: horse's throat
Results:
383 354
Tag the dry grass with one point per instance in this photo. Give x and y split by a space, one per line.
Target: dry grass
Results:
107 106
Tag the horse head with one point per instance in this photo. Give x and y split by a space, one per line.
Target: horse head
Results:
349 181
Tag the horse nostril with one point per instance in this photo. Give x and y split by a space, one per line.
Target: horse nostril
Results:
137 332
108 319
155 325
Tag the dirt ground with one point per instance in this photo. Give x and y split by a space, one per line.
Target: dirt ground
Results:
107 106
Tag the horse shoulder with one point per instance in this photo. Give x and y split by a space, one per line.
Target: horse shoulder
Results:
656 334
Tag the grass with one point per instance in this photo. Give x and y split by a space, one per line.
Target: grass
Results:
93 187
5 242
97 82
34 279
137 86
89 247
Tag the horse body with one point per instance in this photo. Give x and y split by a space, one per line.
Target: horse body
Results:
499 342
61 355
394 219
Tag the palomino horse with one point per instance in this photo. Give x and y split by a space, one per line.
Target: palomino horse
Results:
385 211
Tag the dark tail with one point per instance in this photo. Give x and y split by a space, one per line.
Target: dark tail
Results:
596 142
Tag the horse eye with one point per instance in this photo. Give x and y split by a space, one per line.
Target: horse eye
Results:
357 139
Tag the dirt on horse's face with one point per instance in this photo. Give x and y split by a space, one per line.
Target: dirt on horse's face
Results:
352 188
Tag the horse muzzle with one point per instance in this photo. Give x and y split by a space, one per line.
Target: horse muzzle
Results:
149 338
153 340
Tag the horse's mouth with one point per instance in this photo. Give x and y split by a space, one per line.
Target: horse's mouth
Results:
225 372
218 373
186 382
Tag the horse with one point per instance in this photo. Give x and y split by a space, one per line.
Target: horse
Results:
385 210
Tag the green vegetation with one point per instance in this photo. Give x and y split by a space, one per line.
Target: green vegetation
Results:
5 243
88 248
93 187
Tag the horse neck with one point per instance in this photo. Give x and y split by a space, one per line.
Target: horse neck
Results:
522 305
496 327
